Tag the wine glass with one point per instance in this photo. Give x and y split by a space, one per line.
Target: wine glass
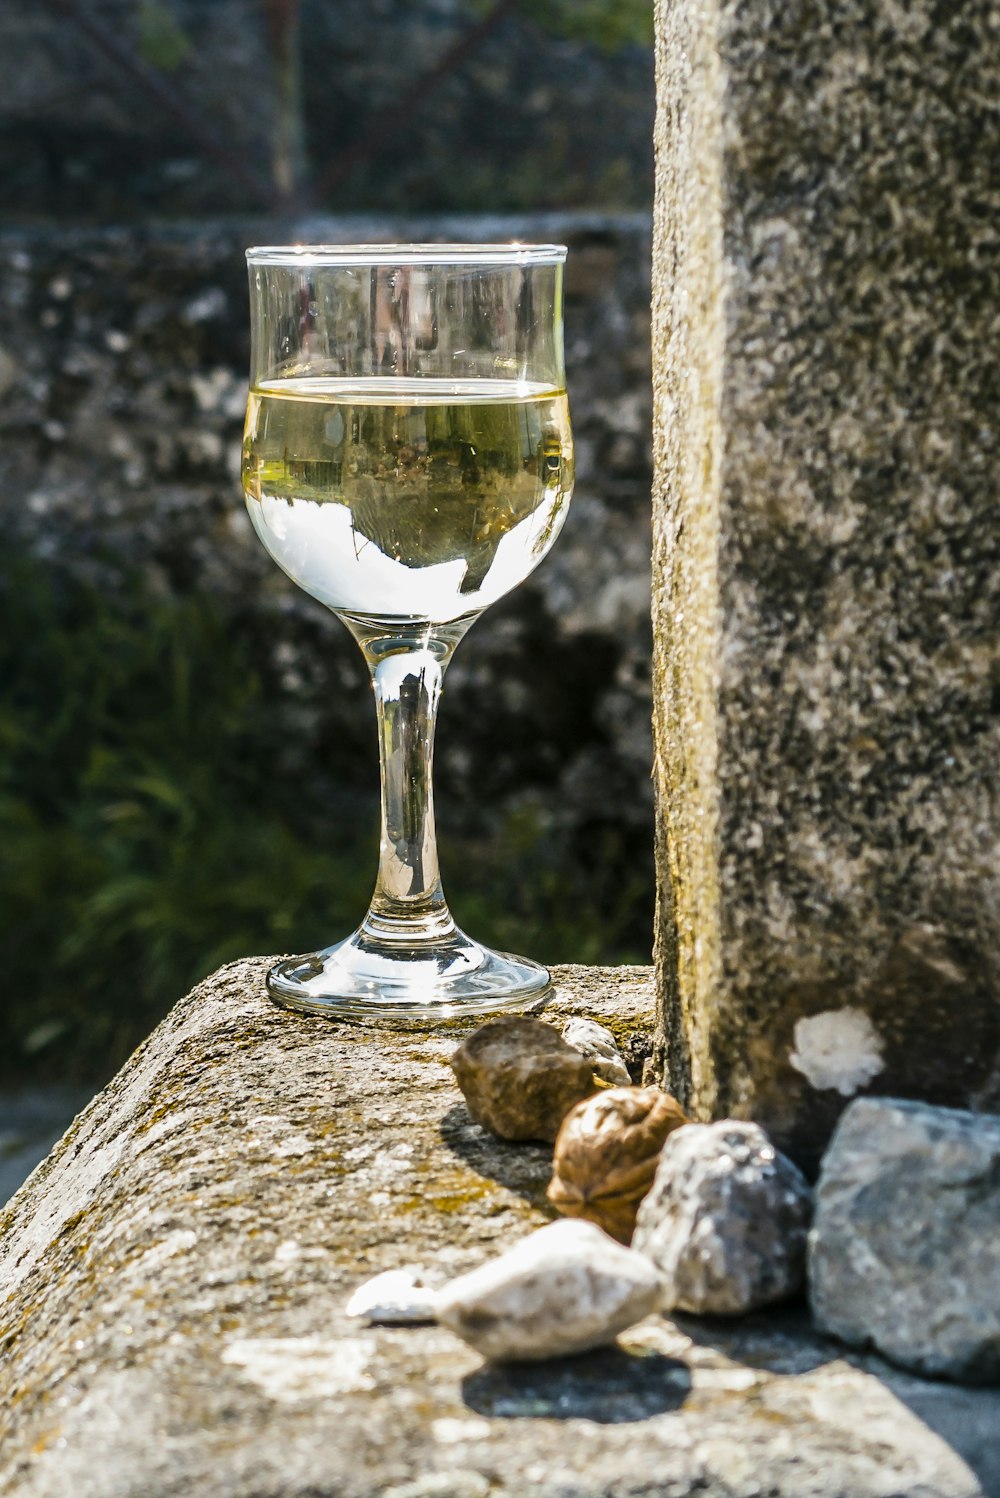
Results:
407 460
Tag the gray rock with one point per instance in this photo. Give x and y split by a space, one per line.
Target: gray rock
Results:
726 1220
826 558
597 1042
519 1078
905 1251
173 1281
397 1297
565 1289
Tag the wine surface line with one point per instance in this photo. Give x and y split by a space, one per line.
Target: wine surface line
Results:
405 498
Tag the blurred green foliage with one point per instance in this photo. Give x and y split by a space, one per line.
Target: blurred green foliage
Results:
611 24
146 837
163 42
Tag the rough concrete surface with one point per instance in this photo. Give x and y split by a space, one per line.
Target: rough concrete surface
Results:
826 568
173 1282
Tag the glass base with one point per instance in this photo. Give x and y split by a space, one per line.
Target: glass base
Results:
365 978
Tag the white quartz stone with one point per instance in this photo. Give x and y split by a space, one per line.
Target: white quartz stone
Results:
395 1298
839 1048
566 1288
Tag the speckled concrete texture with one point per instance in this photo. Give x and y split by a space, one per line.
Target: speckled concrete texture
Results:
826 551
173 1282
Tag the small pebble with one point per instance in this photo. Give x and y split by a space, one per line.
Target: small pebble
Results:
519 1078
598 1043
395 1298
725 1220
564 1289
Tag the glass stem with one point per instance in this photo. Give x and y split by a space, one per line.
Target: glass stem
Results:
407 671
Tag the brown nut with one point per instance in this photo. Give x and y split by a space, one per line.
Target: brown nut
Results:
606 1155
520 1078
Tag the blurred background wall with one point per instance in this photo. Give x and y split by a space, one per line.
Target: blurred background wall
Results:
114 110
187 748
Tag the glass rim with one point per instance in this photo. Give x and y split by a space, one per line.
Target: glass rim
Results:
512 254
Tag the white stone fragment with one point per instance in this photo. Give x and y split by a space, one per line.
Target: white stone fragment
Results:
449 1431
562 1290
599 1045
725 1220
839 1049
395 1298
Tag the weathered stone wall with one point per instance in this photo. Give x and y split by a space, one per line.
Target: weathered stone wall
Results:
123 360
827 580
173 1282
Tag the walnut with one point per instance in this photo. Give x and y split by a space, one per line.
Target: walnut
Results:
606 1155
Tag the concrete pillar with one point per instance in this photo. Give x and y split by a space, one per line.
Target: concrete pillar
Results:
826 578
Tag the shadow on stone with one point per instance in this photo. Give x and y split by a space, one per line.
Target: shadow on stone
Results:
781 1339
609 1385
967 1419
524 1168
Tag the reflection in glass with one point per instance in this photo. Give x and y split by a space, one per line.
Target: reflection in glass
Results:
407 461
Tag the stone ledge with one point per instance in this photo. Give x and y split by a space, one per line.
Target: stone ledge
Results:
173 1277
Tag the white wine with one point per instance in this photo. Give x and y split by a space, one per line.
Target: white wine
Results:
420 499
